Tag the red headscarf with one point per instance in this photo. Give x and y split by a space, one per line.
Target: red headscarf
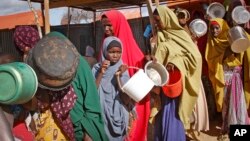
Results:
26 36
132 56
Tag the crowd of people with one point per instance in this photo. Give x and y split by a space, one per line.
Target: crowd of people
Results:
79 98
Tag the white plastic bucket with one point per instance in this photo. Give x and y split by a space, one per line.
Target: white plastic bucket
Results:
138 86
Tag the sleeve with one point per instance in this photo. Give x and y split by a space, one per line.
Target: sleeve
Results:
86 114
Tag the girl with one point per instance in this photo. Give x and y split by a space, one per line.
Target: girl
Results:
115 104
225 70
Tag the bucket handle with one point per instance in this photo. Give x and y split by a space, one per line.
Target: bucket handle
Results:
118 77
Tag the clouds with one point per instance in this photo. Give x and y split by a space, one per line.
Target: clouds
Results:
8 7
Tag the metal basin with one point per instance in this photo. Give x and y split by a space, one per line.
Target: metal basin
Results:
198 27
18 83
238 39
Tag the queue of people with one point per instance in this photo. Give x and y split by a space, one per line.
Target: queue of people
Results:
80 98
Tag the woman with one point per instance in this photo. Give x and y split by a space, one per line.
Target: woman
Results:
225 70
115 104
72 107
175 48
115 24
199 116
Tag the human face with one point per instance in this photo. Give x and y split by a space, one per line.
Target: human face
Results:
114 55
182 19
158 22
107 26
215 29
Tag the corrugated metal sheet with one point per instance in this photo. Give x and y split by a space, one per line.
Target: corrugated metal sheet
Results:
79 35
7 43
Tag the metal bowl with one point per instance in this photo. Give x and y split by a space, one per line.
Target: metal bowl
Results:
216 10
198 27
240 15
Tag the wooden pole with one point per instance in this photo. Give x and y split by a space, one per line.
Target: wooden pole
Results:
157 3
36 19
94 30
150 13
69 20
46 13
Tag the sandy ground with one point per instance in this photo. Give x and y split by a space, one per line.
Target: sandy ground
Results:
211 135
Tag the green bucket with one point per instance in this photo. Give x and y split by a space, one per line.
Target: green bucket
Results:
18 83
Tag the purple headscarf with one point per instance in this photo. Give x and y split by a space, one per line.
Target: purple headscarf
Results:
26 36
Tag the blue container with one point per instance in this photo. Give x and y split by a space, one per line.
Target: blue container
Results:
147 31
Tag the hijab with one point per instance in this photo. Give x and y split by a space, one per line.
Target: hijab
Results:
176 46
116 116
132 54
26 36
214 54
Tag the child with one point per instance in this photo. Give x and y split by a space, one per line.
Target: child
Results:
115 104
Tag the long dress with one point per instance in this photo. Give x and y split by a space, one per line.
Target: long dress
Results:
168 126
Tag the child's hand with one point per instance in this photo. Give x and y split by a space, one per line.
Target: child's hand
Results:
105 65
122 69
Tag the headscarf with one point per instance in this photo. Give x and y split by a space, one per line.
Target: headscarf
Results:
116 117
215 50
61 102
132 56
26 36
176 46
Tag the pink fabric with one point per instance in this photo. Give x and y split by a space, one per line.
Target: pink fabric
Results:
234 107
132 56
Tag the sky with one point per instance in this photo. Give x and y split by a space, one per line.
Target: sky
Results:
8 7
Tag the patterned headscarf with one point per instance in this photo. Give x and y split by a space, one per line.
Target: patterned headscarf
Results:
26 36
61 102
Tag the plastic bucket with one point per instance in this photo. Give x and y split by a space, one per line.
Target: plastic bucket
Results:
138 86
18 83
174 87
157 73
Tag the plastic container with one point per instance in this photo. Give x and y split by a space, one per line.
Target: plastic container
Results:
138 86
174 87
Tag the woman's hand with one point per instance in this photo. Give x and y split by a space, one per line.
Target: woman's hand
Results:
170 67
105 65
150 58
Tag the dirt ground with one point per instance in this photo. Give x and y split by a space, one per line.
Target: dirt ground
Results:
212 135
